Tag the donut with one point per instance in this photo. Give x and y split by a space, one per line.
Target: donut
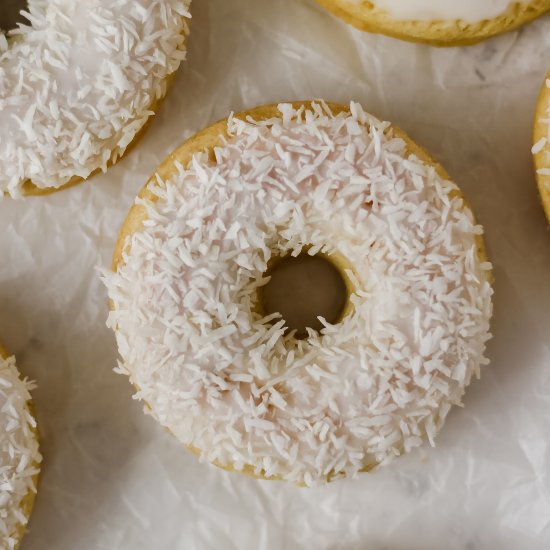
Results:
228 378
437 22
19 455
78 85
541 147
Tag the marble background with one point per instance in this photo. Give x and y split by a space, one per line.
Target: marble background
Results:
113 479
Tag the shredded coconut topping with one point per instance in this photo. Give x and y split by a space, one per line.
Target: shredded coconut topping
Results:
78 84
19 455
232 384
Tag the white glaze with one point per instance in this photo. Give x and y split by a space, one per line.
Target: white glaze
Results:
471 11
78 85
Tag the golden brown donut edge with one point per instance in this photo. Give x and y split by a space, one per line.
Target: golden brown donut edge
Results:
366 17
542 158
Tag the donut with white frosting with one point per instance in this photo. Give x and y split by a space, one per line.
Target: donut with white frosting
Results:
234 385
541 145
19 454
438 22
79 83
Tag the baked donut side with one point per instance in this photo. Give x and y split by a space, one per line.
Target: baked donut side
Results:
365 16
108 70
29 189
541 147
206 141
12 540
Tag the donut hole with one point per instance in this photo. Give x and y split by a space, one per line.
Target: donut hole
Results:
302 289
10 14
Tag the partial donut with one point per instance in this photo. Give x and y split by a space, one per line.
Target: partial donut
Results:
541 147
437 22
232 383
19 455
78 85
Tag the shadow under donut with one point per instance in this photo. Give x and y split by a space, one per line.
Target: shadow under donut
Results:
10 14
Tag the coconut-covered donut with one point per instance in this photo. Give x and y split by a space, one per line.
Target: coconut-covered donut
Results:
438 22
78 85
541 147
225 376
19 455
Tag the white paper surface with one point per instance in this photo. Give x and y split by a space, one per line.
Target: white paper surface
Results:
113 479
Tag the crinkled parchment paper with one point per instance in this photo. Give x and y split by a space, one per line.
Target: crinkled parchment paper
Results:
113 479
